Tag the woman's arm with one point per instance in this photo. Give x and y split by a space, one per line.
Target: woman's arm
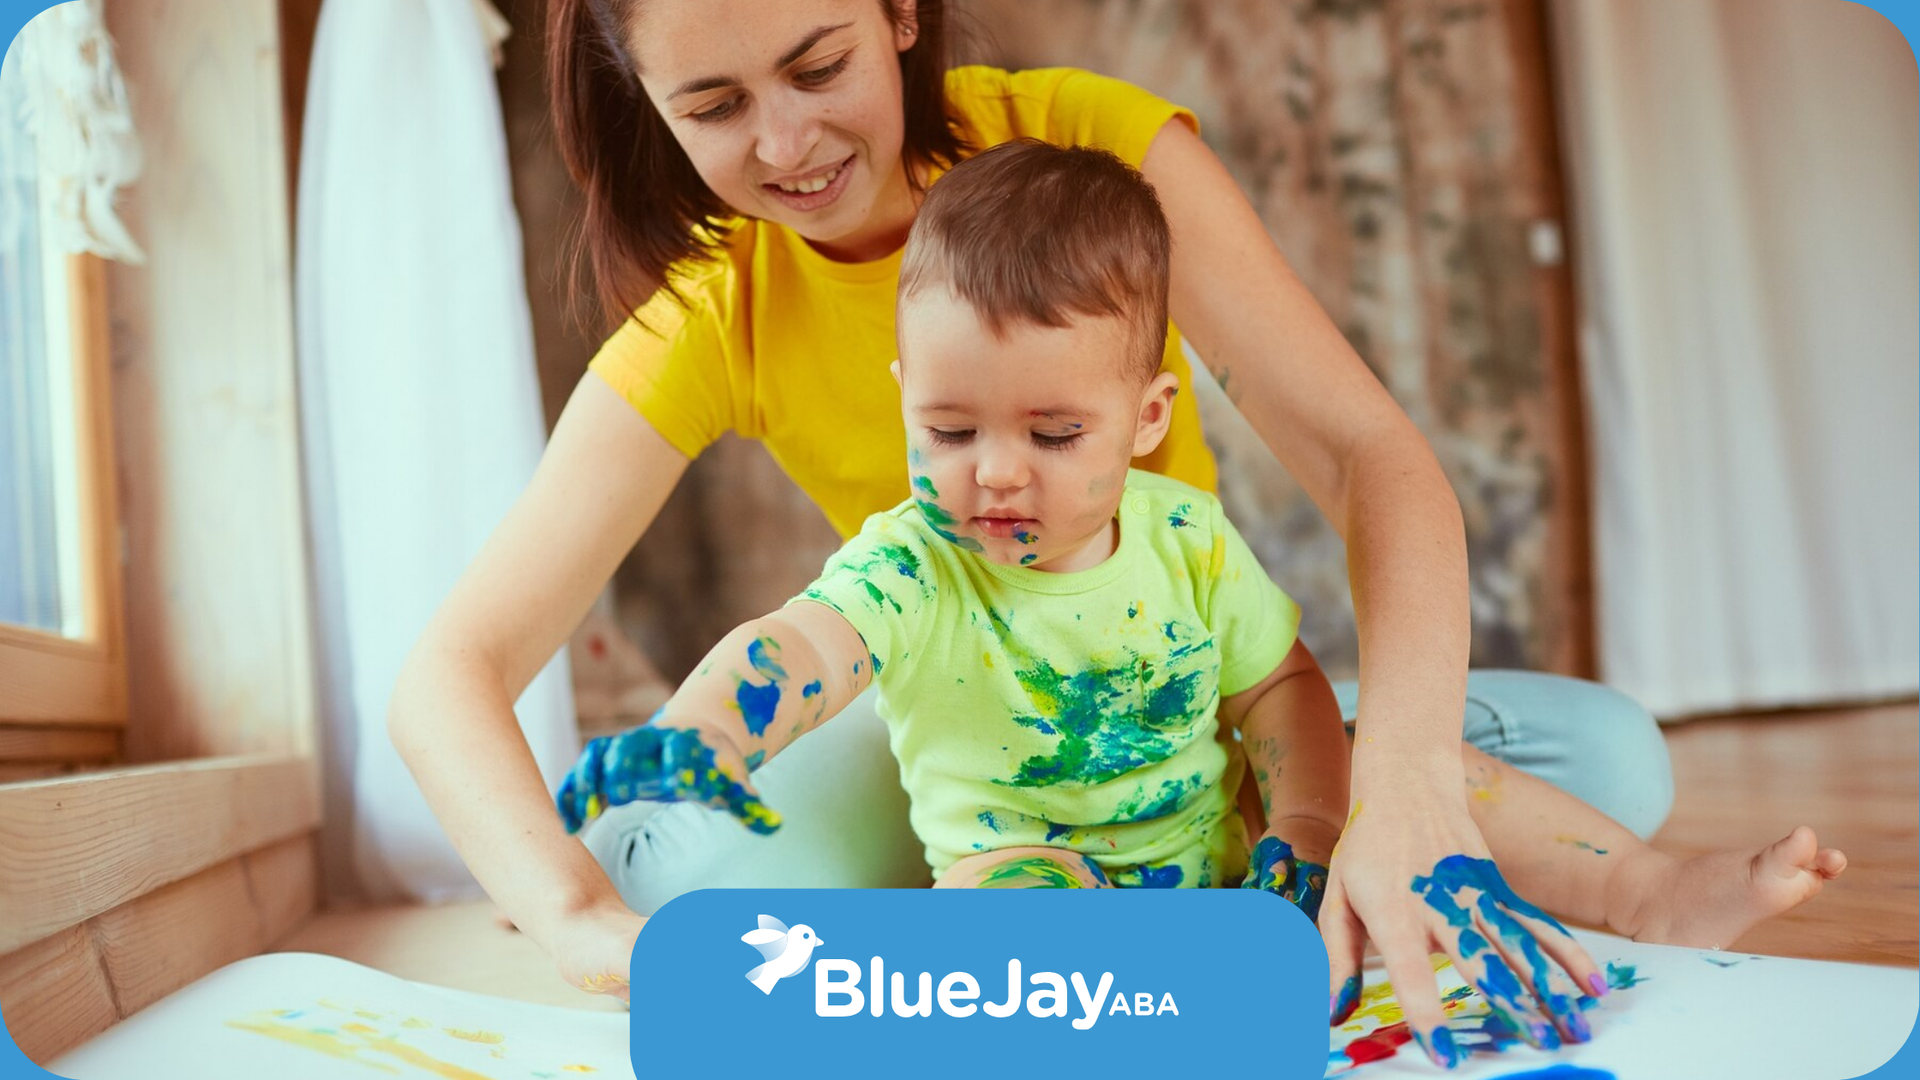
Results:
604 475
1360 459
1342 436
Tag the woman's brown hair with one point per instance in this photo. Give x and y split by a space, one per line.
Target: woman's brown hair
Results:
645 205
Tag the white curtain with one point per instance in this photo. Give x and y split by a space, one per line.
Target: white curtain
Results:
1744 184
420 400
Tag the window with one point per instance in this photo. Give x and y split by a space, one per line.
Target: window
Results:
62 667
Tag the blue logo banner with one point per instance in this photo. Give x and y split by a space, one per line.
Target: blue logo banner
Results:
961 982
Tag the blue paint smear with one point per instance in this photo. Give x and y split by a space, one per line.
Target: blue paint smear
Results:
810 689
754 759
1055 831
1560 1073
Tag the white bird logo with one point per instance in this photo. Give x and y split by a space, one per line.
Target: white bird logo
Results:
786 951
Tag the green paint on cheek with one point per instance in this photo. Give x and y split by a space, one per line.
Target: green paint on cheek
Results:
942 524
924 486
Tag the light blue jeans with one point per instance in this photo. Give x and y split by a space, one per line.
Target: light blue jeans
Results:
846 815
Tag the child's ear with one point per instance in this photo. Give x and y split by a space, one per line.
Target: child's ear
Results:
1156 412
895 368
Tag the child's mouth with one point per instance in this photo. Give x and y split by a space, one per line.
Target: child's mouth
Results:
1005 528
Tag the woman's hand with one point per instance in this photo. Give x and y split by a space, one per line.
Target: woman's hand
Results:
594 950
1411 873
698 764
1290 861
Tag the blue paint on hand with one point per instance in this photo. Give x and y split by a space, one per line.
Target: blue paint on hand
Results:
656 764
1274 869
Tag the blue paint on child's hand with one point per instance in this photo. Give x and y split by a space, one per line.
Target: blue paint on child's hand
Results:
1275 869
656 764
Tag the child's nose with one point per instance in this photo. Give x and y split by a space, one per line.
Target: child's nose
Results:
1001 469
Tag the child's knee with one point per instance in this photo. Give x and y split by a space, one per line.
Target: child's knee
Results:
1025 868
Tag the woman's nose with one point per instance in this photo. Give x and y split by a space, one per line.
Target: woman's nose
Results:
787 137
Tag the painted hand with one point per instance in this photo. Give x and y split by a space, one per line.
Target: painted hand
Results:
594 950
1276 869
1411 873
662 764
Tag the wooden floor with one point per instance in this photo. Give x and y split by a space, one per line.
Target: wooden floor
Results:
1854 776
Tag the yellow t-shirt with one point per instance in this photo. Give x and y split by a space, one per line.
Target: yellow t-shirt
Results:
782 344
1072 710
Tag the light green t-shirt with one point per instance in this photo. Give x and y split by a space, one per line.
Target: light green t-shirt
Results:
1070 710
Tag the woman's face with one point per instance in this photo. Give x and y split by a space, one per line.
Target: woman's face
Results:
790 111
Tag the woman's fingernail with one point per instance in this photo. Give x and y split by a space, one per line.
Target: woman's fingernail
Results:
1577 1026
1440 1047
1599 984
1545 1037
1345 1001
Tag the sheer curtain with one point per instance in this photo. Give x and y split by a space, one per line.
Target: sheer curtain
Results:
1744 178
420 401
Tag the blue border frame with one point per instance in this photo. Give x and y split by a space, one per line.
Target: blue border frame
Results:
1905 16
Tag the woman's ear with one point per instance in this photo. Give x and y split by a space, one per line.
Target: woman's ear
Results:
1156 412
906 24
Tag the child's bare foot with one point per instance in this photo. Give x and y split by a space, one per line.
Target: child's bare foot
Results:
1709 901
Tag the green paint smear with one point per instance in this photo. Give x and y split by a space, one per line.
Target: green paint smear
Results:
1032 872
1623 976
925 487
1143 806
942 524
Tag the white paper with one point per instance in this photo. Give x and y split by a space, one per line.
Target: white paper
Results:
1691 1013
298 1016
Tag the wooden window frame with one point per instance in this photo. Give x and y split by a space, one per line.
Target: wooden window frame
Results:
64 699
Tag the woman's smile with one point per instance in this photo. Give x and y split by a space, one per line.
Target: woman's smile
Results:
812 191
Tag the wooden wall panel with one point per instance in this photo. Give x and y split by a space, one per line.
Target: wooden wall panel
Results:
158 943
65 988
74 848
217 612
54 994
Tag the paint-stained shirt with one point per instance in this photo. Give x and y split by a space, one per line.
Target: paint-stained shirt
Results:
779 343
1072 710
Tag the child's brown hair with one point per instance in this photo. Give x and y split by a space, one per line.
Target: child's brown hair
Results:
1033 232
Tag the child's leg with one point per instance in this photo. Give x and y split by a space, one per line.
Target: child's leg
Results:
1576 862
1024 868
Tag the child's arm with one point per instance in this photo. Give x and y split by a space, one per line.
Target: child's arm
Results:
1297 745
764 685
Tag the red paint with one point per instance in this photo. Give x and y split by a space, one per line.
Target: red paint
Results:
597 647
1378 1045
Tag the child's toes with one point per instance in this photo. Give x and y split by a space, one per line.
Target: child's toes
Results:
1830 862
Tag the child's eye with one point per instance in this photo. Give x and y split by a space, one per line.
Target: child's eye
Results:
820 76
1056 442
719 112
949 438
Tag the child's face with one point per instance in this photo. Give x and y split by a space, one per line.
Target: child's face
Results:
1018 445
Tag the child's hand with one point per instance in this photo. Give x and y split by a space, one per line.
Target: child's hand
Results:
1289 871
663 764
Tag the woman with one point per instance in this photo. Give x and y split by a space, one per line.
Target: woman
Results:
818 123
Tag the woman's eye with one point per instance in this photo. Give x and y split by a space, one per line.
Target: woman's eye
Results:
719 112
821 75
948 438
1056 442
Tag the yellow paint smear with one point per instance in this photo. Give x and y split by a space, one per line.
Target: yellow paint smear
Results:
415 1022
330 1045
488 1038
444 1069
578 1068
